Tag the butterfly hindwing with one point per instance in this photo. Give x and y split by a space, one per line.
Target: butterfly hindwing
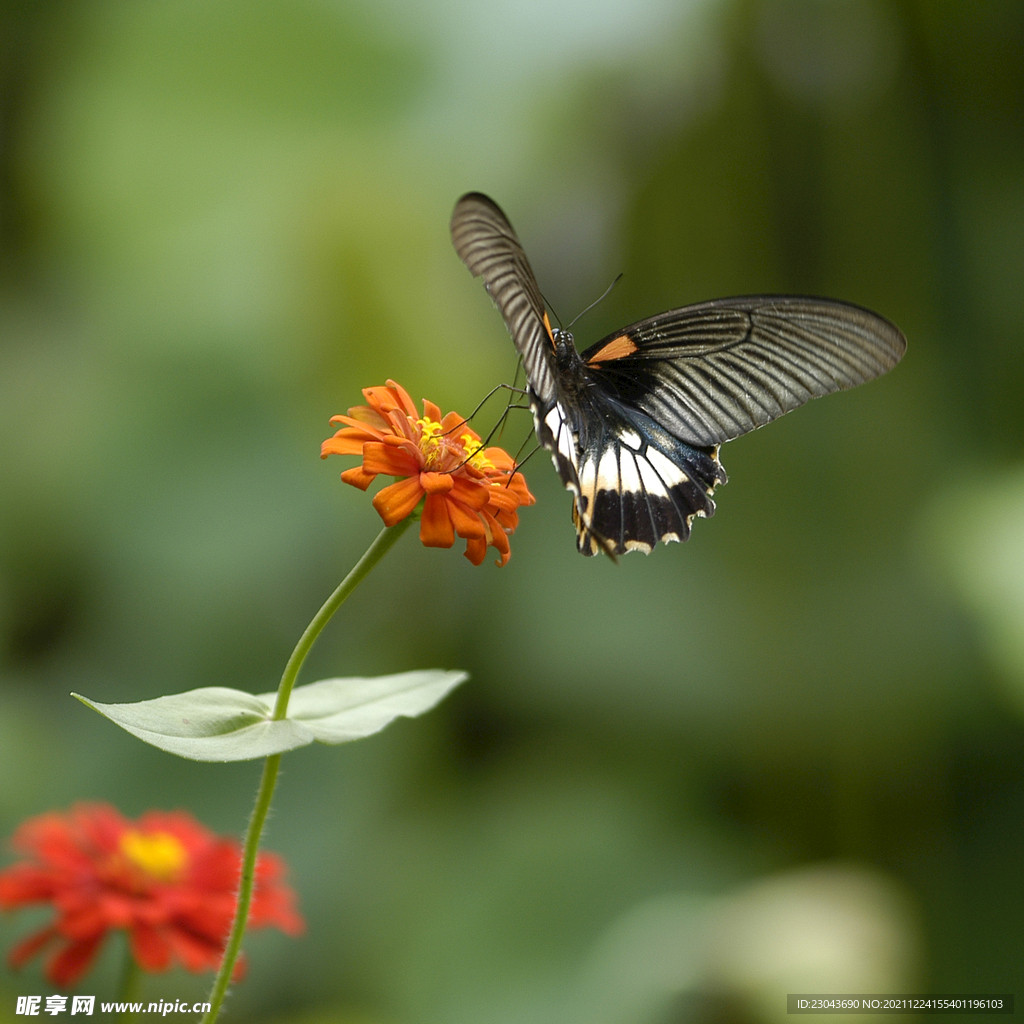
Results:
633 483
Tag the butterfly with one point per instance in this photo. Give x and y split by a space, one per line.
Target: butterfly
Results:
634 423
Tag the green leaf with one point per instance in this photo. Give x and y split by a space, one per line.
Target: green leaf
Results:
339 710
216 723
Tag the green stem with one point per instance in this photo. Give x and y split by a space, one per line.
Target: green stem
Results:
131 976
252 844
381 545
374 553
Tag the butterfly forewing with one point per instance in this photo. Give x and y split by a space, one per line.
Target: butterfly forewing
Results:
486 243
714 371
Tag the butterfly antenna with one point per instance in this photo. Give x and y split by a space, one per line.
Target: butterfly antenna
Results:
508 405
519 370
600 298
500 423
519 464
501 420
490 394
552 309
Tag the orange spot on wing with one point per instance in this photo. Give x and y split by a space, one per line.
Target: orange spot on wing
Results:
617 348
547 327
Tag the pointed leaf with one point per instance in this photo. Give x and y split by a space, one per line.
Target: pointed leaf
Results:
339 710
215 723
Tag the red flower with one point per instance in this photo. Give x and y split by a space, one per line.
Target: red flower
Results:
465 489
164 879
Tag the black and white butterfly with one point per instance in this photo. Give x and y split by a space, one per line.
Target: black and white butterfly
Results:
633 424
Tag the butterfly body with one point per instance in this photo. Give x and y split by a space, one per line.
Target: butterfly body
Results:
633 482
634 423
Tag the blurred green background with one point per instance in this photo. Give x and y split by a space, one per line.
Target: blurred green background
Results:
786 756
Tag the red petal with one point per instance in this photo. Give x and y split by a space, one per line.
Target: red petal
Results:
73 961
194 953
102 824
239 970
25 883
150 948
274 901
94 913
28 948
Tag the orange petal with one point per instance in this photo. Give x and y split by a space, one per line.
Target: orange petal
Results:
469 492
402 426
358 477
501 458
363 415
375 428
466 521
498 538
431 411
404 401
436 483
502 497
507 520
398 500
436 526
476 550
381 458
338 445
519 486
382 400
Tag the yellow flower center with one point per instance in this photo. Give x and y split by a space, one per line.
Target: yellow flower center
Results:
443 454
475 454
158 853
431 441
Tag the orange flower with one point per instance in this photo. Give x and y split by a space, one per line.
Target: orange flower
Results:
465 489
